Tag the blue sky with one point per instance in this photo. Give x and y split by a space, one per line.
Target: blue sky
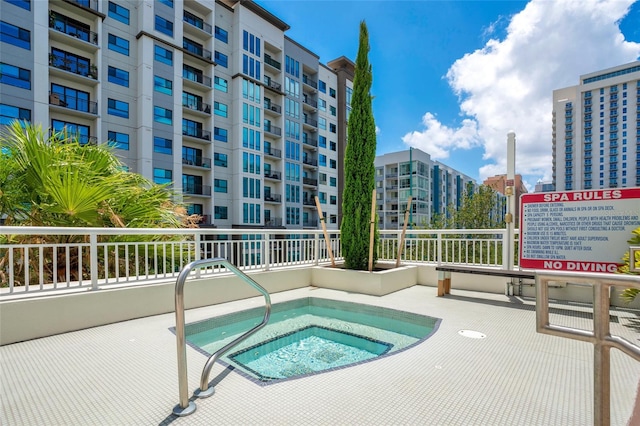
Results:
454 77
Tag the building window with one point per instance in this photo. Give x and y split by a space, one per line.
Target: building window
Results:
163 55
333 181
15 76
162 145
251 43
119 140
322 141
119 13
164 26
333 164
71 98
162 115
118 108
322 123
322 105
322 86
118 44
118 76
15 35
73 131
332 128
162 176
25 4
220 134
167 2
220 109
220 212
221 34
162 85
220 159
332 146
221 59
333 199
332 110
220 185
221 84
332 92
9 113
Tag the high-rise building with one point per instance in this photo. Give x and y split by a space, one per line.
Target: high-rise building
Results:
596 131
499 184
432 185
210 96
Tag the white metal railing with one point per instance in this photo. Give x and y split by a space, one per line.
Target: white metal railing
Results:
44 259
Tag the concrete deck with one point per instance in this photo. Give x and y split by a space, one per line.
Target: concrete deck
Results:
126 373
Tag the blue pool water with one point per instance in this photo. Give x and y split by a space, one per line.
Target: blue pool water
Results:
308 336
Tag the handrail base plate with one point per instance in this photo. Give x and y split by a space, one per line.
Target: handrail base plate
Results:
199 393
181 412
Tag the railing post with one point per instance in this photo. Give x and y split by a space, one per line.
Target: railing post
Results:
93 260
316 244
505 249
601 356
267 251
197 251
439 248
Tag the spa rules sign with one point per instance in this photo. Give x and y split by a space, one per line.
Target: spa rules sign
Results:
584 231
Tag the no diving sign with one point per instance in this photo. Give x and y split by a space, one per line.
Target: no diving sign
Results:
584 231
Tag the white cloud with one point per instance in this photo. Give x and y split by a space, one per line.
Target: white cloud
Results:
508 84
377 130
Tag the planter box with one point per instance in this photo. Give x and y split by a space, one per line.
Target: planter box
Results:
376 283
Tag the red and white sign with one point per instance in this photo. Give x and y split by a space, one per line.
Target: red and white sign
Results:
585 231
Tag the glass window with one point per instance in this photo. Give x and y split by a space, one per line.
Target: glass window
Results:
118 76
71 98
162 176
162 85
119 140
15 76
118 108
221 59
25 4
220 159
220 185
333 111
163 55
332 92
220 109
333 164
220 134
164 26
167 2
221 34
74 131
322 123
221 84
333 181
162 145
322 86
332 128
332 146
162 115
322 160
322 105
15 35
118 13
118 44
9 113
220 212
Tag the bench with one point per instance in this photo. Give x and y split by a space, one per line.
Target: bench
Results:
444 275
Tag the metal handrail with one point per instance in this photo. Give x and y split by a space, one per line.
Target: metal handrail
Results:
186 407
600 336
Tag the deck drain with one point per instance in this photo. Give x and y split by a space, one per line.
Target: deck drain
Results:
472 334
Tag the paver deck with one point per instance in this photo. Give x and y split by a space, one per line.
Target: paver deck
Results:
126 373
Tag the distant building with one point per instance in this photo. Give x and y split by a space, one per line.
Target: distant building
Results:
596 131
544 187
433 186
499 184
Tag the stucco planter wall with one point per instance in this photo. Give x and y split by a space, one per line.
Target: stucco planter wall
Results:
377 283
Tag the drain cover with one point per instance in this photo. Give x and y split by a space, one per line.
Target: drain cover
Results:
472 334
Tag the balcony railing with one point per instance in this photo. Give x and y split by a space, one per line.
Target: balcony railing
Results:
195 189
68 26
309 82
197 106
270 61
310 121
310 181
198 162
72 102
73 64
193 20
93 258
198 78
310 102
272 84
273 152
309 202
310 162
196 49
197 133
310 141
273 222
272 106
273 175
270 128
273 198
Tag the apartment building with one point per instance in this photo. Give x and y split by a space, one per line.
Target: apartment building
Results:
499 184
209 96
412 173
596 131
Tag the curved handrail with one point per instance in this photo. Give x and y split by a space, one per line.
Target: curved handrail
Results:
186 407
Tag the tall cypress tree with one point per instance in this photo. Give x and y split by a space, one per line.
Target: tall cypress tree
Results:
359 169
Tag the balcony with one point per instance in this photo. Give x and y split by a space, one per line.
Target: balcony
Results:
197 189
310 202
309 181
196 22
270 84
310 102
273 222
72 28
310 162
272 107
272 175
309 82
197 162
73 103
310 122
87 4
200 79
273 152
272 62
74 64
273 198
274 130
309 141
196 133
197 106
196 48
310 223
